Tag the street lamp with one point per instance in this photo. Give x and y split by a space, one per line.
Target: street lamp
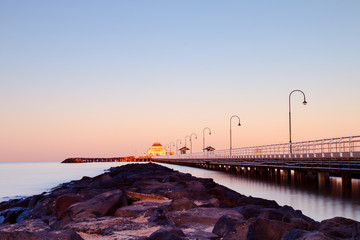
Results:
177 148
204 136
185 139
290 144
191 141
230 131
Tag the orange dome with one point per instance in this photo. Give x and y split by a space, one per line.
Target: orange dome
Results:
157 145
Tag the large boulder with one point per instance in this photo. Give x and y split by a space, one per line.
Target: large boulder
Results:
104 181
267 229
340 227
170 233
63 202
104 204
226 226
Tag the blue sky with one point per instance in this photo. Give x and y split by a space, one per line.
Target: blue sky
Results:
110 77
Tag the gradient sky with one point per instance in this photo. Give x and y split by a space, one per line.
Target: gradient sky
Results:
109 78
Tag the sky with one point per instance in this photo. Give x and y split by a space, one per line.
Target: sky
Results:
110 78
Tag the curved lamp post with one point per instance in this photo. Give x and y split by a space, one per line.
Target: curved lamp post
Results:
191 141
230 131
177 148
185 139
290 144
204 136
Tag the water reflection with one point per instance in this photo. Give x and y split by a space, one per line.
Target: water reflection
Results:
323 199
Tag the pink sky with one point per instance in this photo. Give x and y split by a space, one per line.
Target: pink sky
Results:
109 80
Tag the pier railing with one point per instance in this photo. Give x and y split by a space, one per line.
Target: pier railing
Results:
342 147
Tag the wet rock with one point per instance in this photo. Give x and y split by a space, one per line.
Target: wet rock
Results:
340 227
104 204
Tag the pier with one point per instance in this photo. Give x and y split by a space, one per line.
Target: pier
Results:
113 159
307 159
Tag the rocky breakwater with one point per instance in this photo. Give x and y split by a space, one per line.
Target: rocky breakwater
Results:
149 201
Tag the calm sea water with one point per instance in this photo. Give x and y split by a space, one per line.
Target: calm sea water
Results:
316 201
19 179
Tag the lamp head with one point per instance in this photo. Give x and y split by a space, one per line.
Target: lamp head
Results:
305 102
239 124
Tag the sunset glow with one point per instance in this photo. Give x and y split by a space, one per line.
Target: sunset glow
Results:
95 79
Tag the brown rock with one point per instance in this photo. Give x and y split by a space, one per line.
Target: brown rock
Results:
63 202
170 233
55 235
104 204
340 227
267 229
141 208
181 204
298 234
207 216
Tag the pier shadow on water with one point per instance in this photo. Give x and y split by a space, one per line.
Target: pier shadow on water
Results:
317 196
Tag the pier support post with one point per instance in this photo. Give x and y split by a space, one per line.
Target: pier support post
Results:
272 173
263 172
323 180
299 176
323 177
346 183
286 174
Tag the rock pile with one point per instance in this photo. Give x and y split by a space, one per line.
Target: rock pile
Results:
152 202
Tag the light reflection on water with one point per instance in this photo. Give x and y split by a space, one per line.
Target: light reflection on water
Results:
316 200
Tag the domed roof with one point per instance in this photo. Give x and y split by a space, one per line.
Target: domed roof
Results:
157 145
